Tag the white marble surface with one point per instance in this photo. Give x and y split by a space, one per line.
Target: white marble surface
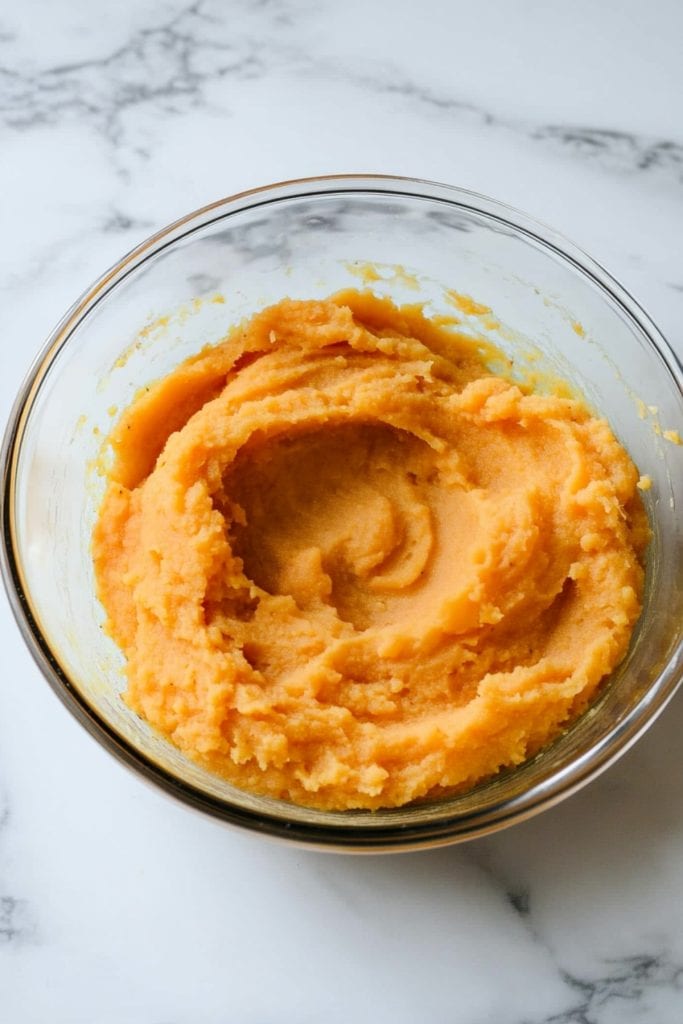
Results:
118 905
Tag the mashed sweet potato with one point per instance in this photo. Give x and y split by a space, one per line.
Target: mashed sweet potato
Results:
349 567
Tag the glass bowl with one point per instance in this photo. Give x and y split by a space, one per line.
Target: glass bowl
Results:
554 308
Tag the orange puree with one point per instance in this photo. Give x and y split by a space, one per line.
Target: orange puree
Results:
350 567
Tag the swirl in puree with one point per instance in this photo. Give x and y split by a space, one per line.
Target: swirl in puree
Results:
351 567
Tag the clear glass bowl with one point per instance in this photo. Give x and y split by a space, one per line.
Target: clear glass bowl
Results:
555 306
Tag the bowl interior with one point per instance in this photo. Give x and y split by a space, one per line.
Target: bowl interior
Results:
551 311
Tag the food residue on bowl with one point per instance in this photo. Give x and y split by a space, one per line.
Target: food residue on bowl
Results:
351 567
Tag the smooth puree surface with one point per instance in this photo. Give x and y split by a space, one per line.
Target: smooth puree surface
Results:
351 567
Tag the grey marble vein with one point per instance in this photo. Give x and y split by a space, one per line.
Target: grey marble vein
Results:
618 150
635 979
622 149
519 899
15 920
117 222
17 924
156 65
626 988
170 64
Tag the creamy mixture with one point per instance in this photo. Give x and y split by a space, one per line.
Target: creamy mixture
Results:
349 567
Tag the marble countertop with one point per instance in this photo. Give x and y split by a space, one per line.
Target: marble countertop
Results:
118 905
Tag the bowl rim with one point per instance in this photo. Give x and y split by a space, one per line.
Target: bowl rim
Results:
375 836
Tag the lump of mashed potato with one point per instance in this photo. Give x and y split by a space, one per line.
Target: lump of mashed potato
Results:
350 567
